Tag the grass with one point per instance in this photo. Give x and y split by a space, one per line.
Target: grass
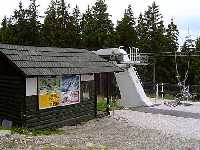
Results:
1 128
20 131
169 97
47 132
166 96
37 132
101 105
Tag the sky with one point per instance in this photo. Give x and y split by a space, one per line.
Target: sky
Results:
186 13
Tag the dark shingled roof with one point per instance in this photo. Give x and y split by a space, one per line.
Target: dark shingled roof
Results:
56 61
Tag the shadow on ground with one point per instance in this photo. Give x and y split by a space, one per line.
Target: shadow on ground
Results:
170 112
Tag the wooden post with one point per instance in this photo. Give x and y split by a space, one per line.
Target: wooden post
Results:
95 92
154 75
107 94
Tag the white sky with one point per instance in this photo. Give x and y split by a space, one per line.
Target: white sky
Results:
185 12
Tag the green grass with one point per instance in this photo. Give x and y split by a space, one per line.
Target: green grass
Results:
1 128
169 97
20 131
114 104
101 105
26 131
47 132
166 96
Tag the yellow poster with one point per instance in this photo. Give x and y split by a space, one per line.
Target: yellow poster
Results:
49 95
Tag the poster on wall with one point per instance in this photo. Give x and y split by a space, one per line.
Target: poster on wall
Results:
49 92
58 91
70 90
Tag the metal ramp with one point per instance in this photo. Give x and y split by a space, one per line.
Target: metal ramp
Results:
131 90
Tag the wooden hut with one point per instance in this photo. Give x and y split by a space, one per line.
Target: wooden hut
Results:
46 87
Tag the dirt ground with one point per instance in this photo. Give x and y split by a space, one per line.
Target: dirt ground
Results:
102 134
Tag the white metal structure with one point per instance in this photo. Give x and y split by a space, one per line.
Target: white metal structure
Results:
131 90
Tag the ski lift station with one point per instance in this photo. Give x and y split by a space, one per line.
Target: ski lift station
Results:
43 87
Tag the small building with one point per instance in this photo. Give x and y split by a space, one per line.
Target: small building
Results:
45 87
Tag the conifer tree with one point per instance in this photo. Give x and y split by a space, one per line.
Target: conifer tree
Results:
103 26
87 29
155 28
7 32
55 24
61 28
49 28
26 24
172 36
74 28
125 30
34 24
142 33
20 19
97 27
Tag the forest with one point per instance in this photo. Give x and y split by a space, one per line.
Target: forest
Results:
63 26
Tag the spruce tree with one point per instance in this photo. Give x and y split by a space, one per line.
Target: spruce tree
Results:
61 29
142 33
172 37
168 72
125 30
26 24
55 24
63 21
7 32
97 27
49 28
102 25
155 28
74 28
20 19
87 29
33 23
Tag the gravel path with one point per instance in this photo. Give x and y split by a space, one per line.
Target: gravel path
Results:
106 132
131 129
185 127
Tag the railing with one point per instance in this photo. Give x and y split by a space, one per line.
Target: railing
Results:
135 56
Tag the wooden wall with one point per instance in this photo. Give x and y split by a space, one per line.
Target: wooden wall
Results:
61 115
12 93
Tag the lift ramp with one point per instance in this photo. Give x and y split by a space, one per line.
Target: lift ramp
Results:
131 90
